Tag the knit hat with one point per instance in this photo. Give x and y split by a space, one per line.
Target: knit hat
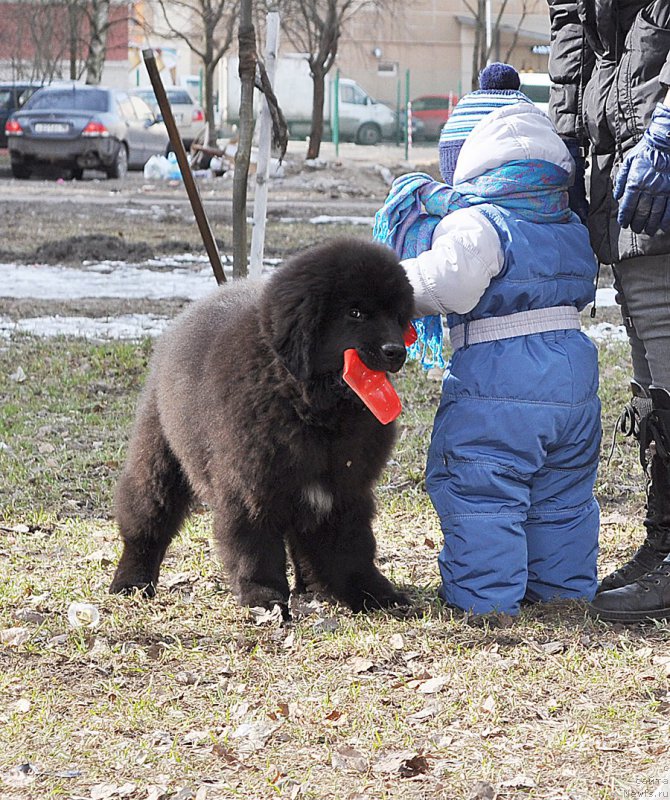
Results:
498 87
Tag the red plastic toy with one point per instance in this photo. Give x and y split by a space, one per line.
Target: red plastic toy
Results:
373 387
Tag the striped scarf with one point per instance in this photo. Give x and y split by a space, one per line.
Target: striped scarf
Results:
533 189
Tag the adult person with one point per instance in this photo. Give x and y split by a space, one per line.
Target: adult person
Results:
610 62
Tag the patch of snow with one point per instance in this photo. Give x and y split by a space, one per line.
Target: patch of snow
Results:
605 297
127 326
107 279
325 219
605 331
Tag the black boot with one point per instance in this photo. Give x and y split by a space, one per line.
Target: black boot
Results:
656 546
648 597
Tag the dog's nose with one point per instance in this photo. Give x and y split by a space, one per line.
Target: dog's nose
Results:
394 354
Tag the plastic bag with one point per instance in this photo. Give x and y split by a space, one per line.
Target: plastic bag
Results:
156 168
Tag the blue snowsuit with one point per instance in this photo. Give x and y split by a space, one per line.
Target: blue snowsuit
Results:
515 445
516 440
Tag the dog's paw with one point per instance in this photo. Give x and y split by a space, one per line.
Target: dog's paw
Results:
257 596
127 587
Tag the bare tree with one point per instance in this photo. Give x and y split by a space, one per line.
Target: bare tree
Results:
209 35
247 72
98 16
483 50
314 27
42 41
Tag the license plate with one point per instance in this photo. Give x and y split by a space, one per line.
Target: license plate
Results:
51 127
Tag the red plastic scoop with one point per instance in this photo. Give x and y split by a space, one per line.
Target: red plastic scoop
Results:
410 335
373 387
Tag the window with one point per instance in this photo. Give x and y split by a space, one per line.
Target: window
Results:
352 94
126 108
536 93
5 99
179 97
73 99
141 109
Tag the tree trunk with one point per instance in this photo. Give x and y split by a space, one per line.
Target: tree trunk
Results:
95 60
318 99
209 102
478 45
247 72
73 19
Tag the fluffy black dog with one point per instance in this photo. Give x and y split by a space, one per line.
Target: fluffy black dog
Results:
245 409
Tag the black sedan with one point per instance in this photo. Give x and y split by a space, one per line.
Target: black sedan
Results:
84 127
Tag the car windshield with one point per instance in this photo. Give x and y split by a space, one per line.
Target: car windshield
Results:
537 93
69 99
174 96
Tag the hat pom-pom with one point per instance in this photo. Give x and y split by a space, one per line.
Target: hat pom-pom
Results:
499 76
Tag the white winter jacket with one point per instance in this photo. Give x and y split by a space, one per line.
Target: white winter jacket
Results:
466 253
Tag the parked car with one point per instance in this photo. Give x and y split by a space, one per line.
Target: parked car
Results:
84 127
433 110
188 115
536 86
12 96
418 128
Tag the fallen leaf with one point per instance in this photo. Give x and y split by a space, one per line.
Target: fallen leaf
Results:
21 775
102 791
520 782
489 705
14 637
267 616
359 665
432 685
391 761
156 792
22 705
482 791
19 376
417 765
29 615
425 713
254 735
615 518
325 625
397 642
350 759
552 648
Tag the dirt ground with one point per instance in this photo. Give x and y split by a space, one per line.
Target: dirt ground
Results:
135 218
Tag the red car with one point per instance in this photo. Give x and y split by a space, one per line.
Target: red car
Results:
433 110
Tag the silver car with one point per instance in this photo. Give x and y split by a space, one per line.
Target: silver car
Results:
188 115
83 127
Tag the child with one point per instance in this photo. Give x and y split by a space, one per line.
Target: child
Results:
514 451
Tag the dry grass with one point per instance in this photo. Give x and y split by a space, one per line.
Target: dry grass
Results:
187 696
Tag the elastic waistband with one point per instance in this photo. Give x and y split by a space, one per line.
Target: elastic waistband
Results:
523 323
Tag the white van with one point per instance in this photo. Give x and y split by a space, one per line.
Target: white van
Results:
536 86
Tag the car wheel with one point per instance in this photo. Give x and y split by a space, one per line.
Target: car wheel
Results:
21 171
77 173
369 133
119 168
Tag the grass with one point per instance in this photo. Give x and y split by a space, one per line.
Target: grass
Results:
187 696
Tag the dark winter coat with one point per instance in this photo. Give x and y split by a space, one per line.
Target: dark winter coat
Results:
610 61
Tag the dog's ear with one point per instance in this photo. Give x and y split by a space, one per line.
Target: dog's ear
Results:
295 327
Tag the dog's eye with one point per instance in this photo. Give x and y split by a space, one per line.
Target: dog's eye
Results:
356 313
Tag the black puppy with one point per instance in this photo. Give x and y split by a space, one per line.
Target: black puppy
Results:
245 409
